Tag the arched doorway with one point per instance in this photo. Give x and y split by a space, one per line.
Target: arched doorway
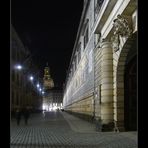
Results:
130 95
126 82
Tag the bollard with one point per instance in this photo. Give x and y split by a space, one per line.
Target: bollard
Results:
98 125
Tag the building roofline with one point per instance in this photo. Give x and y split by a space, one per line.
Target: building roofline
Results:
85 6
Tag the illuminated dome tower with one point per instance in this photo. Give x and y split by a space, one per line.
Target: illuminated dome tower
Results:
47 80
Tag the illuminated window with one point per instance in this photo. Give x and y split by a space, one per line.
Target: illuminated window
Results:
85 37
90 61
79 52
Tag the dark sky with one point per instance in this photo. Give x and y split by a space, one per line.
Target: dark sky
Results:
48 28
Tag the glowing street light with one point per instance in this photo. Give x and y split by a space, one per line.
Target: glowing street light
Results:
19 67
31 78
38 85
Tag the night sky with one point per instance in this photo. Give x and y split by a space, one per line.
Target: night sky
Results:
48 28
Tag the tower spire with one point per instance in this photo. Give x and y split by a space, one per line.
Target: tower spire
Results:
47 64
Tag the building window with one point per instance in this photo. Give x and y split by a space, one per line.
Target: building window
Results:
79 52
72 69
97 38
85 38
98 4
90 61
74 65
13 75
17 99
17 78
75 62
99 94
12 97
13 53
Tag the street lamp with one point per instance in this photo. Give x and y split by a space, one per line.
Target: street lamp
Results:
31 78
38 85
18 67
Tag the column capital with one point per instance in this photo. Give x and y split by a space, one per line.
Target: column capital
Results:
105 44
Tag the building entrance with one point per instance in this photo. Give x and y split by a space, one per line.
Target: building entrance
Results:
130 101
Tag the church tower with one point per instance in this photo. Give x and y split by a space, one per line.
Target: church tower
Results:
47 80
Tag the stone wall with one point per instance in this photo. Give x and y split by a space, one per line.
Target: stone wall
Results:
83 108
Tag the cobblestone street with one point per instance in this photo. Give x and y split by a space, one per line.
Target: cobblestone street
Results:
62 130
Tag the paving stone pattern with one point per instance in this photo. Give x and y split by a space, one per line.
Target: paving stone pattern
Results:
61 130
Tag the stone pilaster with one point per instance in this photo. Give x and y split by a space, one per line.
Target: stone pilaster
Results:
107 86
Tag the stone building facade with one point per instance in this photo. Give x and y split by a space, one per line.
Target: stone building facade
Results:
53 100
101 83
22 90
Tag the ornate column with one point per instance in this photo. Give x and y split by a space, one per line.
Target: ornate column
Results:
107 86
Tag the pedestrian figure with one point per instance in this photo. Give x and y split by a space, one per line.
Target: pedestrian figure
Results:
18 116
44 113
26 115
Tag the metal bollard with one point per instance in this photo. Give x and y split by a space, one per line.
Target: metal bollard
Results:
98 125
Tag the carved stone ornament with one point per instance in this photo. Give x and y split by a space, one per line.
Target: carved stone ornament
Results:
121 28
115 42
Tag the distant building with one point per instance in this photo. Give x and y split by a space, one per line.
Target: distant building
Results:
53 96
56 98
101 83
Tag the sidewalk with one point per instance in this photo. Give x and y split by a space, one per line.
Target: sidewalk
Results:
78 125
81 126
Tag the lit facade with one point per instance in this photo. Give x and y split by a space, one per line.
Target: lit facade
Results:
101 83
53 99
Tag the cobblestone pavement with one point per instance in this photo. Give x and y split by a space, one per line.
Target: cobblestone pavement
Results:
61 130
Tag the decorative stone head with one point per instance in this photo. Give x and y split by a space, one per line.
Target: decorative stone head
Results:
121 28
